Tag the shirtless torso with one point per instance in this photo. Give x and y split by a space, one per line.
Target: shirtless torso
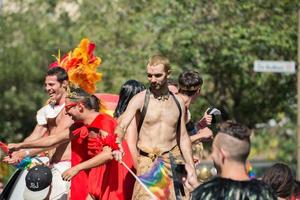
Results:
159 132
159 128
63 151
51 120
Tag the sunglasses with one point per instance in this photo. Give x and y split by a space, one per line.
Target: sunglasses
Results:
69 106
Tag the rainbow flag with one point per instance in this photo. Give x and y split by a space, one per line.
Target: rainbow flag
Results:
157 179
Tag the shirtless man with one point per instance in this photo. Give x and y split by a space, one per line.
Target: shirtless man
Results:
163 128
52 120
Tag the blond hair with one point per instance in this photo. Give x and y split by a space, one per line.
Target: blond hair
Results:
158 59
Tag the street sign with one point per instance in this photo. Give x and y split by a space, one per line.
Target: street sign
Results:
275 66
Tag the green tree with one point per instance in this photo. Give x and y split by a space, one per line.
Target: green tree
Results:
221 39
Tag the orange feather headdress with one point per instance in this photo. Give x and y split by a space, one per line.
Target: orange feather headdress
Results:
81 66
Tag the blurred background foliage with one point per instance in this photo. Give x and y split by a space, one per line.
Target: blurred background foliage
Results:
221 39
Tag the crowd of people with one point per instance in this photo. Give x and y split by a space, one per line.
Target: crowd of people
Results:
144 151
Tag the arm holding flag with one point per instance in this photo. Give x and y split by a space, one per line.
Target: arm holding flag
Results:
135 104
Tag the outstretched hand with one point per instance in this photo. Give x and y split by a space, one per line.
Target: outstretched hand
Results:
14 158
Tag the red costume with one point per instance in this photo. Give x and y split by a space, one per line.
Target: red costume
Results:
109 181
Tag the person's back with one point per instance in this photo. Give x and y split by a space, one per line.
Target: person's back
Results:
228 189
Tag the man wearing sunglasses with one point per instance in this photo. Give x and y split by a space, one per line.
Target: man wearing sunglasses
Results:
94 172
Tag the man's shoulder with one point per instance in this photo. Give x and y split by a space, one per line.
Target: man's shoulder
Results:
220 188
179 99
138 99
139 96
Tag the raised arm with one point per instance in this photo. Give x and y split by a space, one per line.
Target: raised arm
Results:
202 134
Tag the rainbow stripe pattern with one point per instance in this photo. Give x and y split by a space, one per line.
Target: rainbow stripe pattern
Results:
157 179
25 163
250 171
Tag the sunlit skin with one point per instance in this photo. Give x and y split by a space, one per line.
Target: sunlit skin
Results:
157 77
173 89
195 96
57 93
162 117
225 165
215 155
55 89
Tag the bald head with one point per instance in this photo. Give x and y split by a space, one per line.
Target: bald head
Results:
234 139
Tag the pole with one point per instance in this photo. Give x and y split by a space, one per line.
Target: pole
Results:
298 101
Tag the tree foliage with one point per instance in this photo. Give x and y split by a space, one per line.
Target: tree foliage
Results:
221 39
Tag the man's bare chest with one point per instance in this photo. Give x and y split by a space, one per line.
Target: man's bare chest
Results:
162 111
54 122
